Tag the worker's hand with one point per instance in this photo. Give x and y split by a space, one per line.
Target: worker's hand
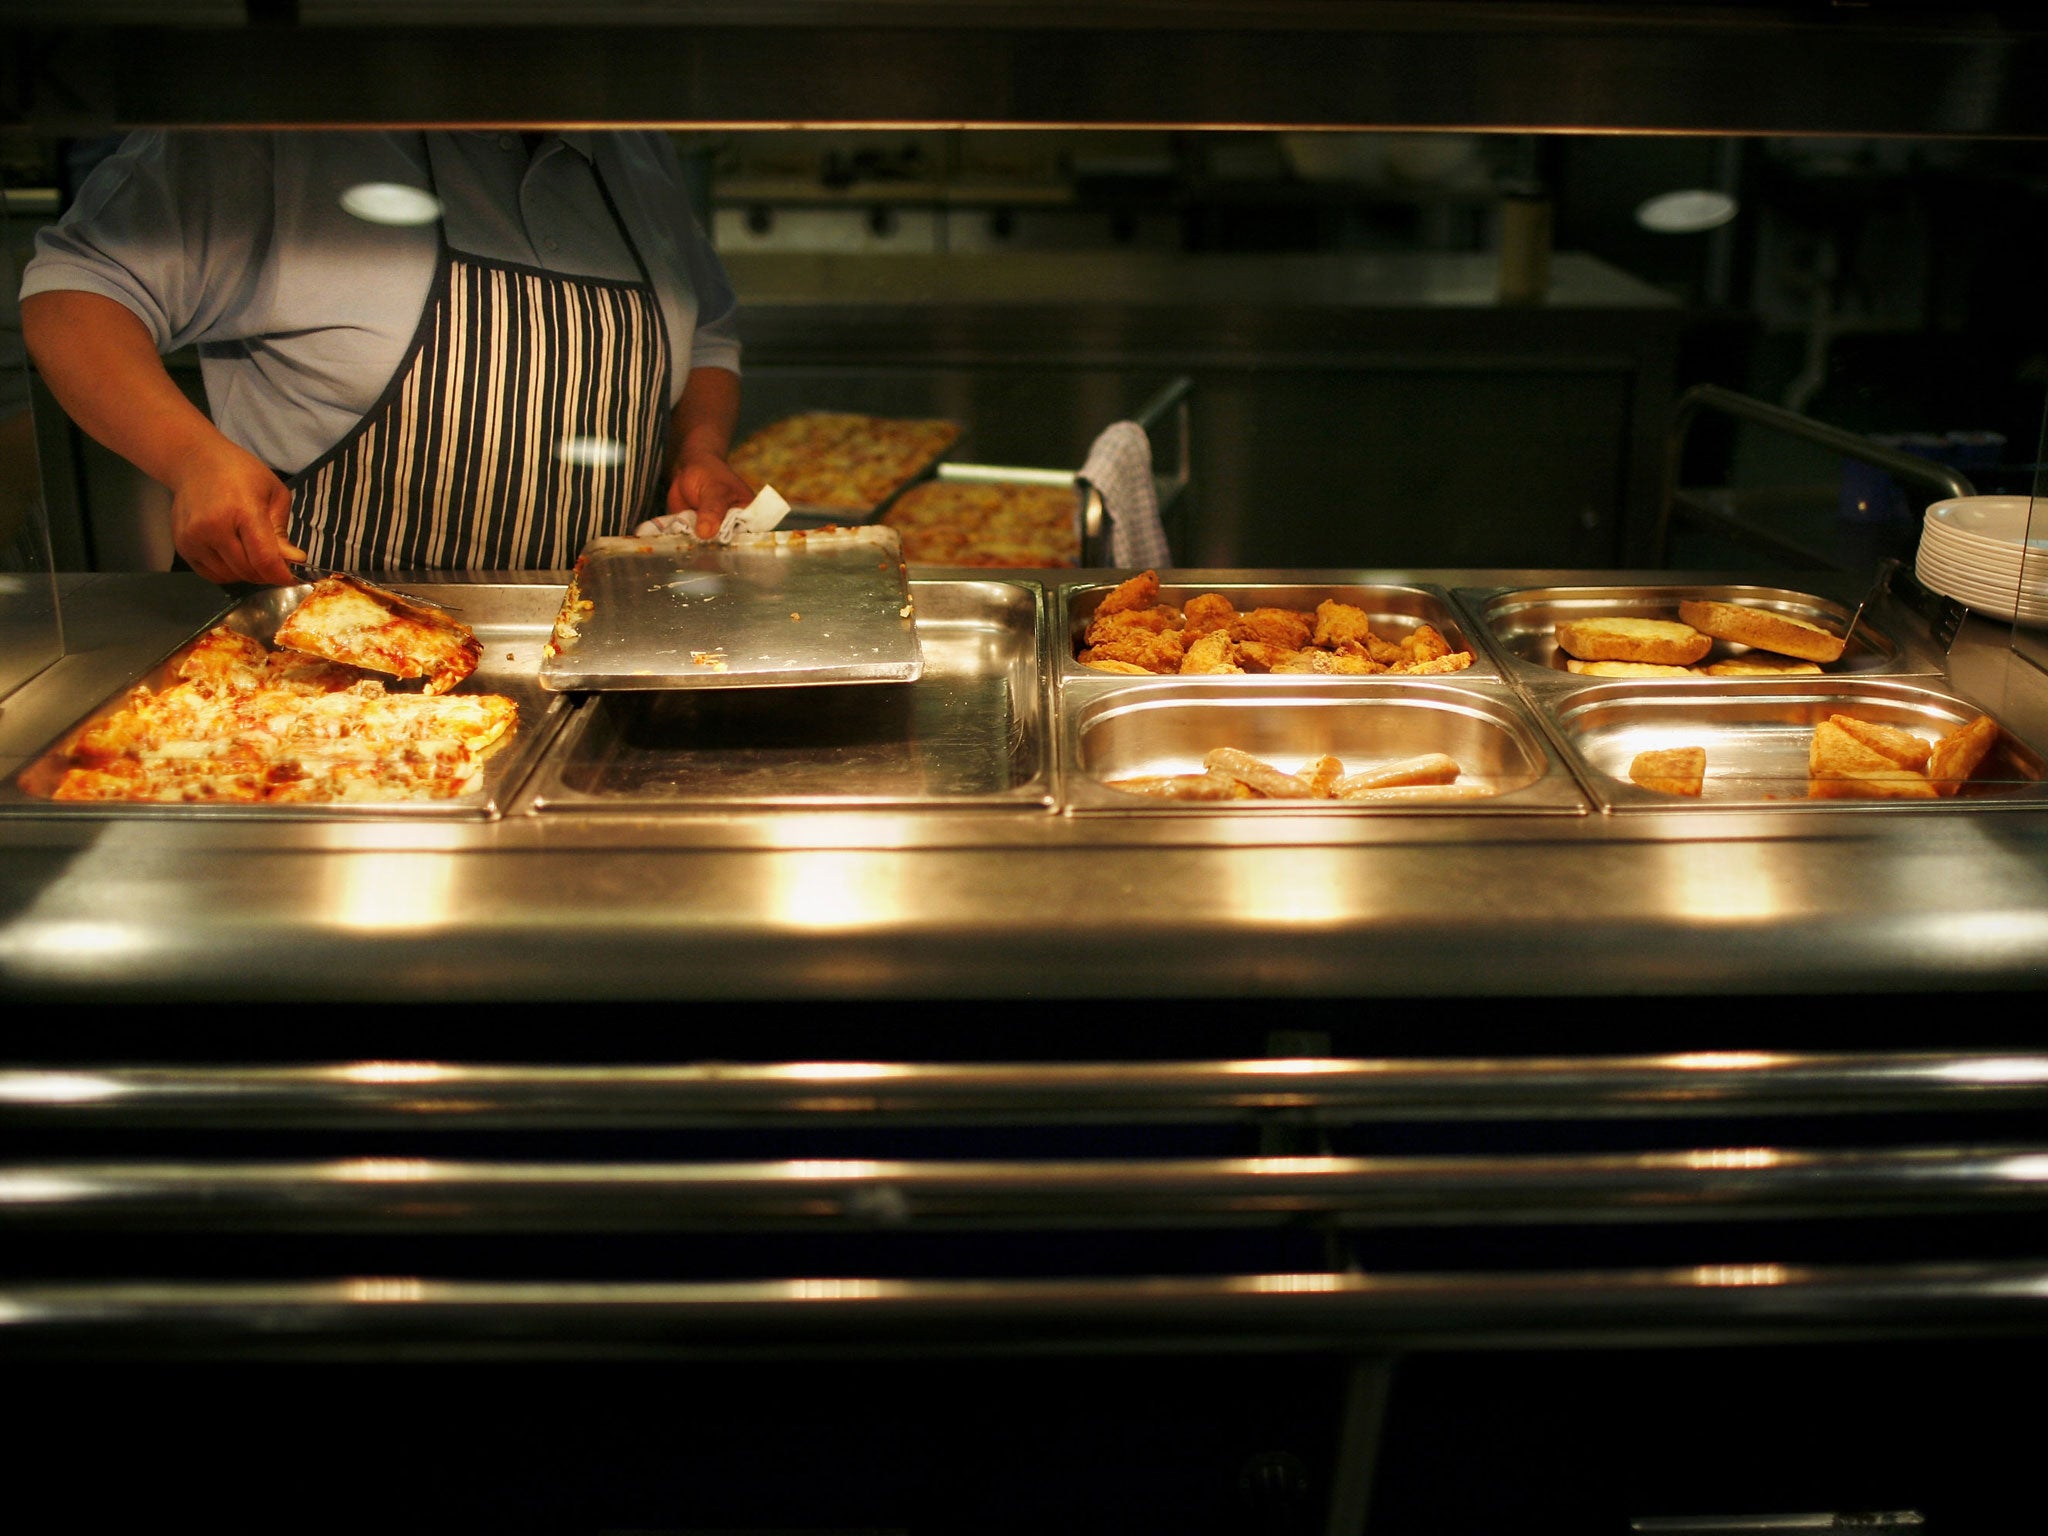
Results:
705 484
228 517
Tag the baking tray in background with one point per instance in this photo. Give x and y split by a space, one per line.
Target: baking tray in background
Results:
809 512
1395 609
1139 728
1757 734
1520 624
973 730
511 622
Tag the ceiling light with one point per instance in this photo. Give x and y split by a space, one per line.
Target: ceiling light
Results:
1686 213
388 202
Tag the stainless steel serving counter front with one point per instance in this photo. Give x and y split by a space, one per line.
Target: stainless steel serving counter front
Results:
1004 901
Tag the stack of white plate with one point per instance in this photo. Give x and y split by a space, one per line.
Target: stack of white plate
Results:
1975 549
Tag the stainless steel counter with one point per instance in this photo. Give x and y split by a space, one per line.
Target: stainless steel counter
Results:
996 901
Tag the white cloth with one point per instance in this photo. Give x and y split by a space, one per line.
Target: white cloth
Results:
1119 467
764 514
238 244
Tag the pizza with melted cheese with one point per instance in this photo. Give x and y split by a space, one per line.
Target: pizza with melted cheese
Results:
979 523
346 619
241 724
838 461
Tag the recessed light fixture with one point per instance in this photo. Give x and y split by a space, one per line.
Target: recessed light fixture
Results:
1687 212
389 202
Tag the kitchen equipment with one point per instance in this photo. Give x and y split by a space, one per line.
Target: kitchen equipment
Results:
784 609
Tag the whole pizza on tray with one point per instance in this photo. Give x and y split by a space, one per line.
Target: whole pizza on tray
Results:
992 523
838 461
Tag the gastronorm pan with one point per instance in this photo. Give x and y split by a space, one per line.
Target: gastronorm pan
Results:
1162 728
1521 625
972 730
1395 609
511 622
1757 736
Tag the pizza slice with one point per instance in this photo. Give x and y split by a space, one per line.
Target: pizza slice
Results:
346 619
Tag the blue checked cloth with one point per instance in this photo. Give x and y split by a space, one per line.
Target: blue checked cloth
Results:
1120 468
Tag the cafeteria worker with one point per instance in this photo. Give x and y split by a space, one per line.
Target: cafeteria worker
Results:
453 351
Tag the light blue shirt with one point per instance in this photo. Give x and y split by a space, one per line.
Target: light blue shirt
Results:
238 244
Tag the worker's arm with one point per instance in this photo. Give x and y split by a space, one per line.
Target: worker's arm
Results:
229 512
700 436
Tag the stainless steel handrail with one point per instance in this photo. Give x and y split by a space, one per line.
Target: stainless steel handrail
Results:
425 1094
1938 480
402 1315
420 1194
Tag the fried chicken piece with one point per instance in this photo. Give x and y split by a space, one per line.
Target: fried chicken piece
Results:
1425 643
1157 619
1339 624
1457 661
1273 626
1353 664
1129 668
1255 656
1213 653
1210 610
1384 651
1139 647
1319 663
1141 591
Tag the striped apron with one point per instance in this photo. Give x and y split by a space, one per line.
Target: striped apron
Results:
528 415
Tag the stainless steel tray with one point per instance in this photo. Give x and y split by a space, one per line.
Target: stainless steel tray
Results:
511 622
1142 728
971 731
782 610
1757 735
1395 608
1520 624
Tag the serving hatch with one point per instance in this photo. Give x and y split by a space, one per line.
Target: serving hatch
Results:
782 609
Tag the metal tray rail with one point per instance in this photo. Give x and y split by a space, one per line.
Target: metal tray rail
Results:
380 1317
1395 606
1131 727
1519 624
1757 734
511 621
1750 1183
972 730
1725 1295
1321 1091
